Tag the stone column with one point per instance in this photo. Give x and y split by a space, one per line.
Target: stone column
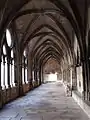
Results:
85 83
24 72
35 77
62 75
29 67
39 76
89 77
19 74
74 78
4 71
42 77
71 77
8 72
1 102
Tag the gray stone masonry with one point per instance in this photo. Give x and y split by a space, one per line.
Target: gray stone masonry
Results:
47 102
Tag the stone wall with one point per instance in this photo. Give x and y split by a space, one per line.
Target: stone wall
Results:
10 94
51 67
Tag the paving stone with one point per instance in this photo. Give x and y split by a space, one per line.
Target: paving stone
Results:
15 119
8 113
47 102
4 118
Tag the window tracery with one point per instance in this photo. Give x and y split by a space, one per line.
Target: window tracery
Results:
7 62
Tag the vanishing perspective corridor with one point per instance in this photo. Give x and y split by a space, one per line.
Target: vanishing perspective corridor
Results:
47 102
44 54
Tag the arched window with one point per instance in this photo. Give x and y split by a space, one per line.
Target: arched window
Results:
7 62
4 70
8 37
4 50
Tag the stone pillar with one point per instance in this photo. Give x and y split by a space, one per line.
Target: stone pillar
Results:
4 71
24 72
29 67
40 76
35 77
1 102
62 75
85 83
19 74
8 72
21 92
89 77
71 77
74 78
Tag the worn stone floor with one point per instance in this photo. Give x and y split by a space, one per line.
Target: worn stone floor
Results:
47 102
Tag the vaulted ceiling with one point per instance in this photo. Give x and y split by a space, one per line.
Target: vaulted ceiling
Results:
46 27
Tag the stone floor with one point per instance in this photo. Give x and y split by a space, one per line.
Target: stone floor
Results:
48 102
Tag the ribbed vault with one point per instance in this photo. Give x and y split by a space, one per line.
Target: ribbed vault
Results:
44 30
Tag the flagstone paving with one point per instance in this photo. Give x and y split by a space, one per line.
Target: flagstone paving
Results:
47 102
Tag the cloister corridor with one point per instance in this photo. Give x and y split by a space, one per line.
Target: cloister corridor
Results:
44 59
47 102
